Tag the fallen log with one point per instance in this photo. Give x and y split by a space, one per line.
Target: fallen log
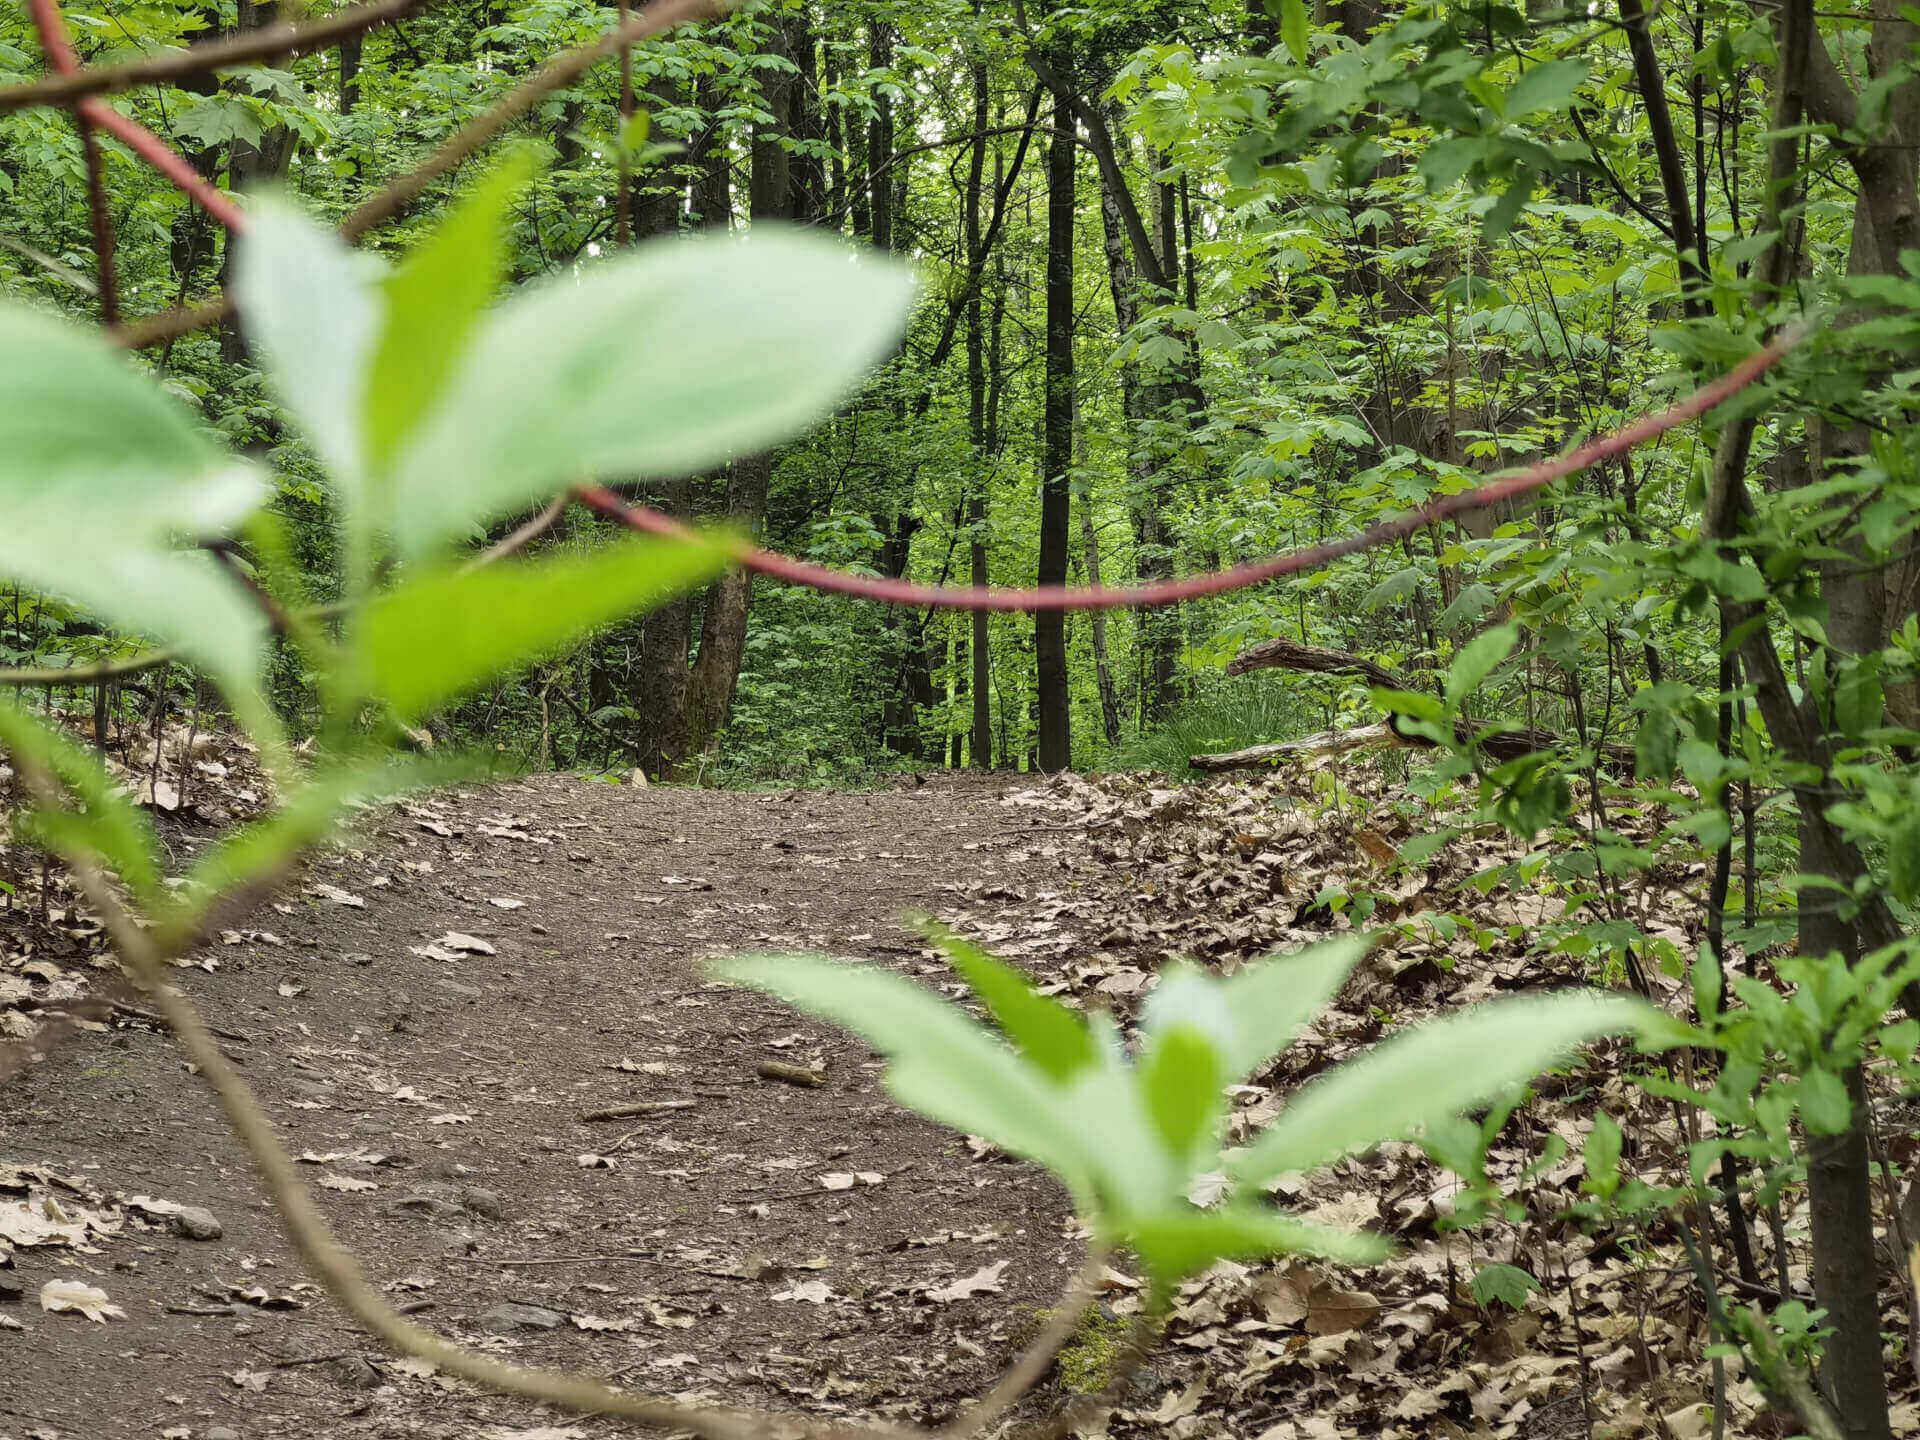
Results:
1507 745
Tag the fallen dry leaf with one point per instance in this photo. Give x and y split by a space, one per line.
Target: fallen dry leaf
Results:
808 1292
984 1281
79 1298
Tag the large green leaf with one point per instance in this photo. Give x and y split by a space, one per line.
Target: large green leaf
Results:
435 301
674 358
1272 1000
1048 1033
311 307
103 481
440 632
943 1064
1430 1073
1174 1244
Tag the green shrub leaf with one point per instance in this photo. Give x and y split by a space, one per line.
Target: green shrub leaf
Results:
310 305
434 303
1048 1033
441 632
944 1065
1429 1073
105 826
677 357
103 479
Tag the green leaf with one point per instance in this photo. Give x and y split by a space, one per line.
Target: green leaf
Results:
944 1065
1508 1284
311 307
1177 1243
1429 1073
1293 28
102 477
1547 86
1272 1000
1825 1108
1476 660
1048 1033
674 358
1181 1083
633 134
107 827
441 632
434 303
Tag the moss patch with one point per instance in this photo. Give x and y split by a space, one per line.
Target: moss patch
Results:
1086 1360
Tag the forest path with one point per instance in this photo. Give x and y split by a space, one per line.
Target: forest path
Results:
428 1018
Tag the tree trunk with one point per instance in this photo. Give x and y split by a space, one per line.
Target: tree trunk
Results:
1109 702
1054 708
880 139
980 655
350 51
1156 631
723 626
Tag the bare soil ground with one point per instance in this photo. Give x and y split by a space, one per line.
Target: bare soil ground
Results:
440 1084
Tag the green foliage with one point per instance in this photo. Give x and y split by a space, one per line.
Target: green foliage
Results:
103 477
1507 1284
1130 1140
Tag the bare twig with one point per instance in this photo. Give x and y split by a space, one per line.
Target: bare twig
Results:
270 43
803 1075
642 1107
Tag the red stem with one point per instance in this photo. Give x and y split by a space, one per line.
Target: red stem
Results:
1170 592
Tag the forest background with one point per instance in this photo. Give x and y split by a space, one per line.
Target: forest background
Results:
1146 346
1200 283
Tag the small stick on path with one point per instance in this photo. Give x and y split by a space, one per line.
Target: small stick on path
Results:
641 1107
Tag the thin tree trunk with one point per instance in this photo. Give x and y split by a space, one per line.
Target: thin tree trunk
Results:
723 626
980 654
1053 697
1109 701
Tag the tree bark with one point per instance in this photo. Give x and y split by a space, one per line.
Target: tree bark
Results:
723 626
979 652
1054 701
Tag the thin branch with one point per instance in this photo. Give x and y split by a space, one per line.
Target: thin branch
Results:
273 42
100 217
1294 562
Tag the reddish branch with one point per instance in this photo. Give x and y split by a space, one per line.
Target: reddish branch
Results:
1059 597
274 42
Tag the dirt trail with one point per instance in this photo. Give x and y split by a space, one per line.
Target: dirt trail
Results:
429 1016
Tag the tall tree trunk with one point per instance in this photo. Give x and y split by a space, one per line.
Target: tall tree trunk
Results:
713 183
249 166
723 625
979 652
1052 695
809 173
880 139
1109 702
351 49
1157 631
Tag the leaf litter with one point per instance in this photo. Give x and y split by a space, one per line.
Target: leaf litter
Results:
1090 885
